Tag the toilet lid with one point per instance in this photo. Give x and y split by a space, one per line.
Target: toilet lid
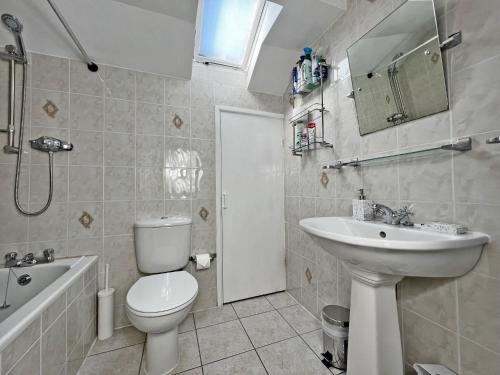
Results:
162 292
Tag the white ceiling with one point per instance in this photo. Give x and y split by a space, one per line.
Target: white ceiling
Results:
158 35
300 24
182 9
112 32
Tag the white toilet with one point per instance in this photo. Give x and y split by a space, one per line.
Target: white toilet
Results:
158 303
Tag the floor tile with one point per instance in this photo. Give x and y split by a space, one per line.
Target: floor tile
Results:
214 316
300 319
195 371
125 361
189 354
243 364
315 341
121 338
187 324
291 357
222 341
267 328
252 306
281 299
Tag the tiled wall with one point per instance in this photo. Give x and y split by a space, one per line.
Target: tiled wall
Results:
57 342
455 322
130 161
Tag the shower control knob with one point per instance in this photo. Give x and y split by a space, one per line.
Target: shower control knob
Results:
10 48
50 144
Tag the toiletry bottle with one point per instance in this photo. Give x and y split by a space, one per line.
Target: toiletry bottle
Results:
362 208
311 132
298 134
307 69
305 136
300 76
294 80
315 70
323 67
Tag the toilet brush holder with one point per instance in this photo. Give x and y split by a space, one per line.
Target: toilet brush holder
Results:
105 321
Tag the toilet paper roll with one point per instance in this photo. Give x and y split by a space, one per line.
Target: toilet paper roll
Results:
428 369
202 261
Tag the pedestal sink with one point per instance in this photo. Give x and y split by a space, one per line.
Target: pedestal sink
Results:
379 256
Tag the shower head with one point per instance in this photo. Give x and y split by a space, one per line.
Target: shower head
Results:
12 23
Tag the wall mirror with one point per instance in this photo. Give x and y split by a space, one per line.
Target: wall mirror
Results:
397 70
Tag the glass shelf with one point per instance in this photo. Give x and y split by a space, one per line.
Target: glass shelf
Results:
462 144
310 147
307 114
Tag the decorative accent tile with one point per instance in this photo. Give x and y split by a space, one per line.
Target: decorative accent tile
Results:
324 179
308 275
204 213
86 219
177 121
50 109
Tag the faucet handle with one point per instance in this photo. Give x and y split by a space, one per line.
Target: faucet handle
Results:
49 254
11 256
407 210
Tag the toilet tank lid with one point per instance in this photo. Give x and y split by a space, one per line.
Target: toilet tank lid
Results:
166 221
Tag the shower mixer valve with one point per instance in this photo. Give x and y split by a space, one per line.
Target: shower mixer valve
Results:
49 144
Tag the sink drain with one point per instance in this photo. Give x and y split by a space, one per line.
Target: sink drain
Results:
382 234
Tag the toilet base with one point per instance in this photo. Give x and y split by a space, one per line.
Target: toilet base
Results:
162 352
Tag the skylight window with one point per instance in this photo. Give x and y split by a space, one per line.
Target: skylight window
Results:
226 30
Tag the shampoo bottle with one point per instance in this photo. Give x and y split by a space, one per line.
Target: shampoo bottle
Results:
307 69
362 208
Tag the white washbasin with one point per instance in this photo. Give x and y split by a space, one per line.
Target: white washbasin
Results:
396 250
379 256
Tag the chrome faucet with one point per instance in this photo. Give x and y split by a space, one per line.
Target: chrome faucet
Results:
397 217
29 259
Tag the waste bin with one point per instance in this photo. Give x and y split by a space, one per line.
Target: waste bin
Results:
335 322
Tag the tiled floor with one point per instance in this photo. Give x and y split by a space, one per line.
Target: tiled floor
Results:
265 335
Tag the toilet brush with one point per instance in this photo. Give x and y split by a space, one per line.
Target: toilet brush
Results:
105 298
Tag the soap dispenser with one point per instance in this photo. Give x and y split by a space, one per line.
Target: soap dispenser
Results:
362 208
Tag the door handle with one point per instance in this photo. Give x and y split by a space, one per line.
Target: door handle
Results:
224 201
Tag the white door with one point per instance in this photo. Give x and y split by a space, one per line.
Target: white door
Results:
252 204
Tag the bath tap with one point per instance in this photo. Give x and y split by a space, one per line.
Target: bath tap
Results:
397 217
29 259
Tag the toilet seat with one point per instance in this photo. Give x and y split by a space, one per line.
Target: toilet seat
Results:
162 294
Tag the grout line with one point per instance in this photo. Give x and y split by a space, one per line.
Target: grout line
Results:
142 358
429 320
115 349
231 356
457 314
251 342
198 345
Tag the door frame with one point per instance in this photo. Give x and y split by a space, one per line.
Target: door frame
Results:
218 183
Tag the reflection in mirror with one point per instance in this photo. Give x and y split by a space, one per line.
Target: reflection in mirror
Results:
397 69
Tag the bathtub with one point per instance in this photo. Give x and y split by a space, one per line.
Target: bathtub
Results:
53 287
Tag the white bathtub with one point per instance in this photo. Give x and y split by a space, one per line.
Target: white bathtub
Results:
49 281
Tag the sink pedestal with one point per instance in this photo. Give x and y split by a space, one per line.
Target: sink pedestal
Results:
374 335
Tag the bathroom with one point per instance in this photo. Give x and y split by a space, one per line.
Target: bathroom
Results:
250 229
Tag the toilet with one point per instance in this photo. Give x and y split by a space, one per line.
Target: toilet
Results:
159 302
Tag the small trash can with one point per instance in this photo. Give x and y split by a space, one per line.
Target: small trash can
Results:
335 322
